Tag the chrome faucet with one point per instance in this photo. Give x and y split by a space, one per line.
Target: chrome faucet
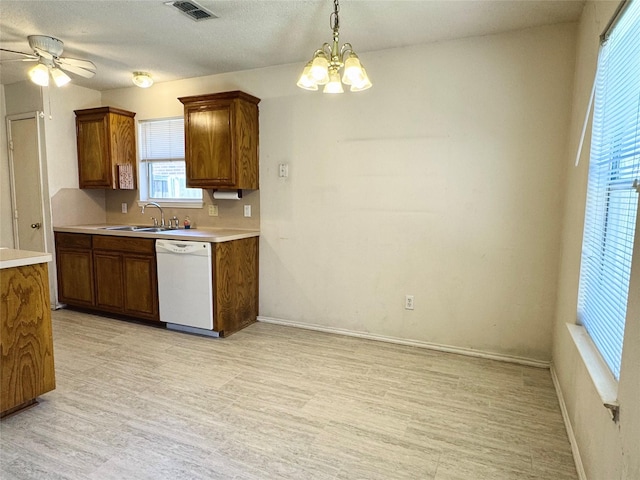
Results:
154 204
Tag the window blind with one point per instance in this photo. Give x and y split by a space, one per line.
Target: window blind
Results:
162 140
612 196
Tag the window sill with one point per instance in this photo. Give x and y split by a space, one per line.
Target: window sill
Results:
602 378
174 203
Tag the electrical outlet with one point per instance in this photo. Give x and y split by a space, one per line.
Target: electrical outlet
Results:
283 170
213 210
408 302
247 210
124 208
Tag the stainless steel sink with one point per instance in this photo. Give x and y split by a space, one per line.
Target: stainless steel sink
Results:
127 228
137 228
154 229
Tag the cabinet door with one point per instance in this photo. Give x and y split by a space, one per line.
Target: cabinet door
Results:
140 286
123 147
209 157
94 165
75 277
109 281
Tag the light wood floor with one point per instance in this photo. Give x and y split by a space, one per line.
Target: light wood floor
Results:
136 402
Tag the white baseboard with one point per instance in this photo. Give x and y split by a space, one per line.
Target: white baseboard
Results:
582 475
413 343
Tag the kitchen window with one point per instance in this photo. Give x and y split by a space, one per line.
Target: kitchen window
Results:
162 166
612 192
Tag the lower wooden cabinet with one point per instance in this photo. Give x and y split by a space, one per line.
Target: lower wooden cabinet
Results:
109 274
74 261
109 281
118 274
126 275
141 292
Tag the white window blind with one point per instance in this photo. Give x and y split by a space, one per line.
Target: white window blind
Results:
162 139
162 172
612 196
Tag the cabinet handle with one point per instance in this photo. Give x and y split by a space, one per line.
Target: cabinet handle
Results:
35 225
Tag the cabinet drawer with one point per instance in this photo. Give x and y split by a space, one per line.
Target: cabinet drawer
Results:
73 240
124 244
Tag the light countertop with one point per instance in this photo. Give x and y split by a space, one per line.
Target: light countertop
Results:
212 235
10 258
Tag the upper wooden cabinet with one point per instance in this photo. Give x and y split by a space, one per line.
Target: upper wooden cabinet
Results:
106 139
221 140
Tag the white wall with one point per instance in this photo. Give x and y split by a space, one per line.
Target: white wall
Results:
443 181
607 450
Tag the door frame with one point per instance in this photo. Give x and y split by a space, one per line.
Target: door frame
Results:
11 118
45 204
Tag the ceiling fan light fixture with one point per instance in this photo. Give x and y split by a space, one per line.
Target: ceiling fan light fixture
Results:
59 77
142 79
40 75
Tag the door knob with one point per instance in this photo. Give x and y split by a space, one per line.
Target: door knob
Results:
35 225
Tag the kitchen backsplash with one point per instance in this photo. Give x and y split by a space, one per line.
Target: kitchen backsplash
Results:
72 206
230 212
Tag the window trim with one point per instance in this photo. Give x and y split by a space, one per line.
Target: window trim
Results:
603 380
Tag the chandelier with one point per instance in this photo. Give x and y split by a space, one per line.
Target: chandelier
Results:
324 67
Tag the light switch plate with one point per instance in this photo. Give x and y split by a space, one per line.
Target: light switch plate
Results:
213 210
283 170
124 208
247 210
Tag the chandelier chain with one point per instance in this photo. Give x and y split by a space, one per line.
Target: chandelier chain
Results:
334 20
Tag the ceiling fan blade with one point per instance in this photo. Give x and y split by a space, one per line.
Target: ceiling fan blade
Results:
83 72
10 60
29 56
76 62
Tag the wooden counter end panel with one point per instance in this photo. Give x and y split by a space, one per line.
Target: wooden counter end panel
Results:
26 342
235 285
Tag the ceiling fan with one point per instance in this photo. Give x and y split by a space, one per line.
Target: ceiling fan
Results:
47 51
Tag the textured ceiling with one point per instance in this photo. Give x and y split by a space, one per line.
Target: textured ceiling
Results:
123 36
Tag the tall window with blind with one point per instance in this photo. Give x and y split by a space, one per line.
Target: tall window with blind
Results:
162 167
612 192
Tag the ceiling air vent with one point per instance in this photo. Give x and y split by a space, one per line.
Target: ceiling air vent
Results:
192 10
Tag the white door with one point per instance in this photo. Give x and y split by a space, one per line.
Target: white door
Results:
26 183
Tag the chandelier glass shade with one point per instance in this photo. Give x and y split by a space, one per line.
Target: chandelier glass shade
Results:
327 62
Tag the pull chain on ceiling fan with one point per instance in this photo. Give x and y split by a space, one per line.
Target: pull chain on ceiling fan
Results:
47 51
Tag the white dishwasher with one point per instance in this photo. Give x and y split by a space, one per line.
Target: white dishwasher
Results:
185 286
